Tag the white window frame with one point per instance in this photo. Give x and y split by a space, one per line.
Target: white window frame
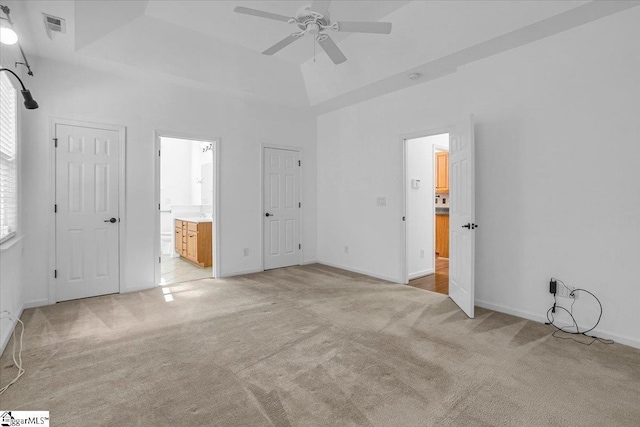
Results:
17 153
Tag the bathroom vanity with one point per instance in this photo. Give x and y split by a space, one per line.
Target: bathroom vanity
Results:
194 240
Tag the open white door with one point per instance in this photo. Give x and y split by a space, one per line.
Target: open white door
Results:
462 214
281 208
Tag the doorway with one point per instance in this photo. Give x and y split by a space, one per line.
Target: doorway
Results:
428 212
438 191
282 246
88 211
186 190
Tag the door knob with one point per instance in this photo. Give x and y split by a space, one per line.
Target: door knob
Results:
112 220
268 214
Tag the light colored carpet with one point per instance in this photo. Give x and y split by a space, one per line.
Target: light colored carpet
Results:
307 346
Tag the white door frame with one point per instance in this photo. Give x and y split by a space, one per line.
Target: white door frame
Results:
217 267
404 260
300 228
122 136
433 168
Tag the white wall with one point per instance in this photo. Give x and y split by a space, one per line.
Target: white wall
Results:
557 184
11 261
420 203
177 183
196 172
420 208
144 105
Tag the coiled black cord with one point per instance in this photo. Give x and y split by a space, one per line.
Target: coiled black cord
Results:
551 319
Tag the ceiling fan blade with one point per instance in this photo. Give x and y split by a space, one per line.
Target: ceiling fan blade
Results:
320 6
282 44
261 14
331 48
364 27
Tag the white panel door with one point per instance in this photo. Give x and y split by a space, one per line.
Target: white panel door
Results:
281 208
87 223
462 216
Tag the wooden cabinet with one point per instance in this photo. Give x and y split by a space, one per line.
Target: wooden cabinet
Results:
194 242
178 244
442 236
442 172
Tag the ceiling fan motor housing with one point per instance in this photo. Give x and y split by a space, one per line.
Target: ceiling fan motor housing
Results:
310 21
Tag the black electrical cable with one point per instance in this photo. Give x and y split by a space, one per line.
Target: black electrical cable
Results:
551 319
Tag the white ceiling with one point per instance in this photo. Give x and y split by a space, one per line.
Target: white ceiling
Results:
206 45
216 19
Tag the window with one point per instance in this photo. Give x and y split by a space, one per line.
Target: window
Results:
8 159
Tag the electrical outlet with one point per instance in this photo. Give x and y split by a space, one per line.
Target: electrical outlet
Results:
381 201
346 249
245 252
562 291
567 291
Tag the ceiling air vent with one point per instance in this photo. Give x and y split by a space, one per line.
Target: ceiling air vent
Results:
53 24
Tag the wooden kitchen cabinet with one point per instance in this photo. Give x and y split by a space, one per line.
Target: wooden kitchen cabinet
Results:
442 172
442 236
194 242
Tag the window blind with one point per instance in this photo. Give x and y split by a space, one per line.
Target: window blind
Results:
8 160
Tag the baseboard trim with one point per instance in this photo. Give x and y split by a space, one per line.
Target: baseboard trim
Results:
355 270
422 273
35 303
312 261
620 339
5 341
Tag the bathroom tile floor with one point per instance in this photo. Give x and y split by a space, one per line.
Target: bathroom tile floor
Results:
177 270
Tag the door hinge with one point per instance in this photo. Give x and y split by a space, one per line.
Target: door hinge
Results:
299 245
404 218
55 274
299 204
158 153
55 208
299 163
158 206
160 259
55 142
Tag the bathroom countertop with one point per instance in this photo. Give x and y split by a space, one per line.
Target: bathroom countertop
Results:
194 219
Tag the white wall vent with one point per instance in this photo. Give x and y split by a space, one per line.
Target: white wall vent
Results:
53 24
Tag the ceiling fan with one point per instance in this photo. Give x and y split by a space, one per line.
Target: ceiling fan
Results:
314 19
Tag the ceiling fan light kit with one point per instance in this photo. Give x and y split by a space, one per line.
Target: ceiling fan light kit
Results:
314 19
